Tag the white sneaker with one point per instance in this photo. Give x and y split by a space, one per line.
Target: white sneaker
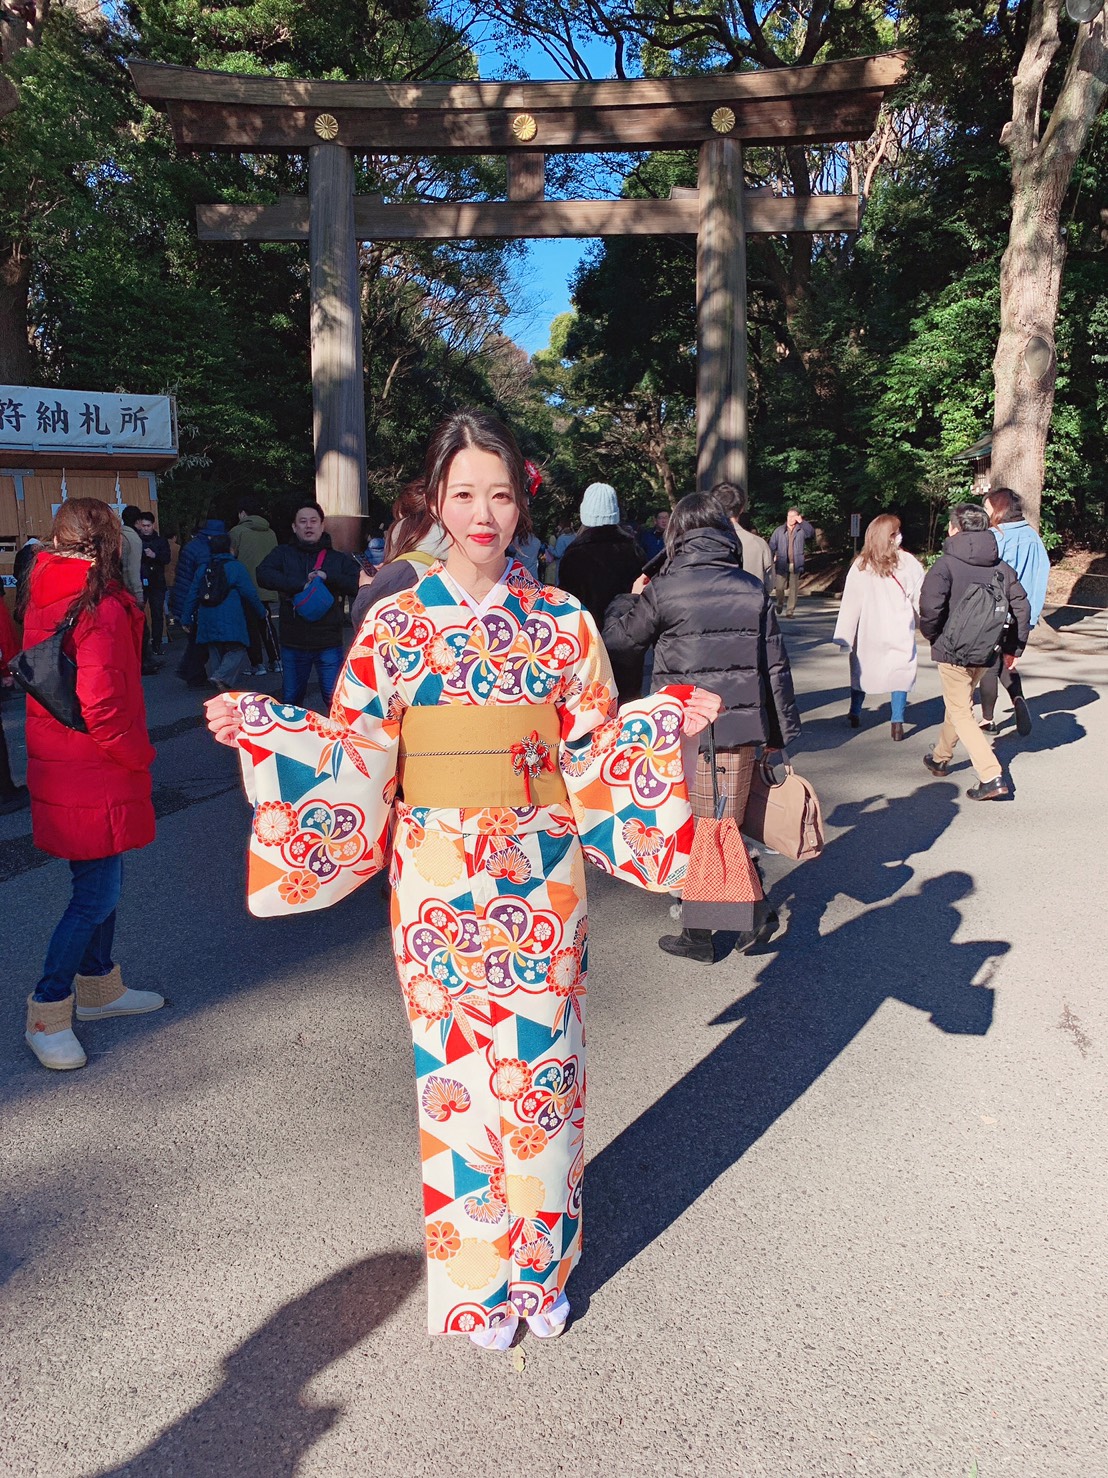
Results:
262 671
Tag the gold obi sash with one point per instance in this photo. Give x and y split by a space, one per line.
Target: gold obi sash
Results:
462 756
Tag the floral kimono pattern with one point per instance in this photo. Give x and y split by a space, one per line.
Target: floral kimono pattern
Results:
489 922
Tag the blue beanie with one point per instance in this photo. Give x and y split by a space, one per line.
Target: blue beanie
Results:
599 505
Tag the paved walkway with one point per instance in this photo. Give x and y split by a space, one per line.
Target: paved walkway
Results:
846 1202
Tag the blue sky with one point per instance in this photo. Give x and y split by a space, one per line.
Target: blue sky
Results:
543 277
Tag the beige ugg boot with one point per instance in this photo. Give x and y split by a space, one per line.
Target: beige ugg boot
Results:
99 996
50 1034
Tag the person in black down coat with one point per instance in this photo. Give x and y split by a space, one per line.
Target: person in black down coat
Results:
289 569
601 563
713 625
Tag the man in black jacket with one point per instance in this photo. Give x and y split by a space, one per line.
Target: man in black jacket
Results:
291 568
969 558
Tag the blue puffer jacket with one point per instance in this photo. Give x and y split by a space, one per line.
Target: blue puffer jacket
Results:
1021 547
194 556
227 621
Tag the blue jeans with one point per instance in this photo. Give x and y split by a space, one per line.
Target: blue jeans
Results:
82 942
899 704
297 669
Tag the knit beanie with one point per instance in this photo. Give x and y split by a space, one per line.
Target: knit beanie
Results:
599 505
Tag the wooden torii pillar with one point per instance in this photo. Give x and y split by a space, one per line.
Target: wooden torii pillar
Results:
333 121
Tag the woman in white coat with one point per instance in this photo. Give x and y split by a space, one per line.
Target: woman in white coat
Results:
877 620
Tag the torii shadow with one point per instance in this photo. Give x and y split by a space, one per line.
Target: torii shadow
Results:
810 1002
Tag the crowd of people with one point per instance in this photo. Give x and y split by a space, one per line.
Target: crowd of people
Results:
471 750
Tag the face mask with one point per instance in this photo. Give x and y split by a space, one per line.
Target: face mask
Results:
897 541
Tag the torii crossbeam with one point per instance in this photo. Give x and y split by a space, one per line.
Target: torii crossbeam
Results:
333 121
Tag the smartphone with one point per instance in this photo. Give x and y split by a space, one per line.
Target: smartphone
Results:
654 566
366 564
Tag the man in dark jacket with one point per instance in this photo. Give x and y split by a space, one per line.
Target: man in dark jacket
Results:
786 544
601 563
155 557
969 558
291 568
194 557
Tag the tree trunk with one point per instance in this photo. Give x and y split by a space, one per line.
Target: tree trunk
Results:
1025 364
16 359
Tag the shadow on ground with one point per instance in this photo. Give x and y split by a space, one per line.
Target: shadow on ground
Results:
258 1423
810 1001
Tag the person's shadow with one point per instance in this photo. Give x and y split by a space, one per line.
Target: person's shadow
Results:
810 1002
258 1423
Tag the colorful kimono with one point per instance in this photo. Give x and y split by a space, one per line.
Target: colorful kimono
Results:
488 904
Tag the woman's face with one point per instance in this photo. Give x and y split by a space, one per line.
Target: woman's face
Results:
478 508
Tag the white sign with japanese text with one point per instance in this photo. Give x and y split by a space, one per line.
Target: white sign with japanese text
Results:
37 420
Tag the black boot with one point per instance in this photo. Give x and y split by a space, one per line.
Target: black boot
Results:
690 944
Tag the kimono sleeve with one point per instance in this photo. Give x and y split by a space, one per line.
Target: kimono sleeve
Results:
322 790
624 773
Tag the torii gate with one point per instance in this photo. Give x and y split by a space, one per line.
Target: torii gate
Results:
332 121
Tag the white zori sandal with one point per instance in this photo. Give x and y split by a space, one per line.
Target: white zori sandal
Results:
496 1336
551 1324
499 1337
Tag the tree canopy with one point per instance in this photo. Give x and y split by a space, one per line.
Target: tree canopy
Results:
870 353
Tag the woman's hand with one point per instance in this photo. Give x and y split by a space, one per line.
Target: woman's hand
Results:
701 709
640 585
224 720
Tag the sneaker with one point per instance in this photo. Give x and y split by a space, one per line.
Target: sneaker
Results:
261 671
988 790
987 726
278 667
1023 717
934 765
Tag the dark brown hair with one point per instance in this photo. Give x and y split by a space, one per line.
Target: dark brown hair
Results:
879 548
1003 506
412 521
476 428
89 528
695 511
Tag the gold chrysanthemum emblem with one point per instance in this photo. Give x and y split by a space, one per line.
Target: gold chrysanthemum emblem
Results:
723 120
327 126
524 127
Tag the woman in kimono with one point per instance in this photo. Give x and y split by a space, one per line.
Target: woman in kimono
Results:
475 715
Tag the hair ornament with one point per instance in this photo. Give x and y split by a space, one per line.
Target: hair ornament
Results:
534 478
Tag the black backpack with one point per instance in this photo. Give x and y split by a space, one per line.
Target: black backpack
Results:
972 635
216 587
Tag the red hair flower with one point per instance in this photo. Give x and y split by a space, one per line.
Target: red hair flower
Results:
534 478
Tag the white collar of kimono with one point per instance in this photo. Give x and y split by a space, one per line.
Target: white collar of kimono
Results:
496 596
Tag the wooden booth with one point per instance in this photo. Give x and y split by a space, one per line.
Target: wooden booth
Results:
59 444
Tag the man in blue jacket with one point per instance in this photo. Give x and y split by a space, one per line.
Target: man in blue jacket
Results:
1020 547
194 556
787 547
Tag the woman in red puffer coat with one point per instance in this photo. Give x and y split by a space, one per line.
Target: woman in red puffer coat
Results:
90 792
